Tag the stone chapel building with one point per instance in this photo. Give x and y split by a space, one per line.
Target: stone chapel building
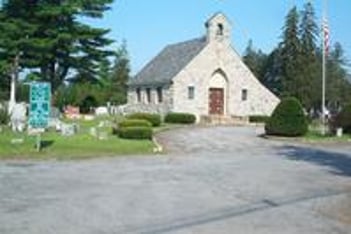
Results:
203 76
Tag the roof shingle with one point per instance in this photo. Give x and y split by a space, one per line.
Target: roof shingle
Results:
167 64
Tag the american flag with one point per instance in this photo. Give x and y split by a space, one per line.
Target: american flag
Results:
326 34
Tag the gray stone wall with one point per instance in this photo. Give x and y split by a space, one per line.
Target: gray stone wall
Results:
154 106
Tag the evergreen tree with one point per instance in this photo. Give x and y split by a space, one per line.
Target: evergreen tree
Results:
255 60
290 54
52 39
273 72
338 88
310 77
14 39
120 76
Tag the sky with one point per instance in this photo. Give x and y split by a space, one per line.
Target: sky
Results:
148 26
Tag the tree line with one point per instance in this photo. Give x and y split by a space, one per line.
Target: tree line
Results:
294 66
47 40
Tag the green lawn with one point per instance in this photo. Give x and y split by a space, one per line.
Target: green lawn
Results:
316 136
79 146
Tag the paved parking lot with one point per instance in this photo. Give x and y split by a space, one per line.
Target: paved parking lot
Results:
212 180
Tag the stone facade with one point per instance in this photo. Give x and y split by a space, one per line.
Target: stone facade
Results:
216 66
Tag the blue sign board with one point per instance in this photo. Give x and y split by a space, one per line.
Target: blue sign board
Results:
40 100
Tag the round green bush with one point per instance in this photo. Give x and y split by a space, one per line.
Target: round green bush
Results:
343 119
288 119
137 133
180 118
154 119
134 123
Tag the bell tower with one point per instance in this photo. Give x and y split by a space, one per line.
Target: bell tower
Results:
218 29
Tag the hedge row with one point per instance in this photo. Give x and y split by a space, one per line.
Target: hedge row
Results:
154 119
134 123
180 118
139 133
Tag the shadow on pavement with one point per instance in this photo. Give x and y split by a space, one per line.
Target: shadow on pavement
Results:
338 163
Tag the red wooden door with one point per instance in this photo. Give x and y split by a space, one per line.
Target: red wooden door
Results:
216 101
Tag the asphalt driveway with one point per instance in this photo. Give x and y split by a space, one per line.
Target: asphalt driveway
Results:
212 180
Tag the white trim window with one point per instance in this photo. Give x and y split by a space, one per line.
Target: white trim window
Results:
244 94
148 95
191 92
138 95
159 92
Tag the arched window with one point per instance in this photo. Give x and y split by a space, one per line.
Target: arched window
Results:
219 29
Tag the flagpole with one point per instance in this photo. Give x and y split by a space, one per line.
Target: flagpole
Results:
323 70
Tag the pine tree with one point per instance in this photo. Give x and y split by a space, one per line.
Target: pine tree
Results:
310 77
338 88
289 51
273 73
50 37
120 76
255 60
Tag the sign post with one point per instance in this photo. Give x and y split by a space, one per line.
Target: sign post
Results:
39 110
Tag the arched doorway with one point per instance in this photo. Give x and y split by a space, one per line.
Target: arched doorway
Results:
217 93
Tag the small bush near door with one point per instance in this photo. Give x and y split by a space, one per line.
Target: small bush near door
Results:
288 119
154 119
137 133
180 118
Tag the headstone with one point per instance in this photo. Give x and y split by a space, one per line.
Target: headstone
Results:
54 123
103 135
72 112
68 129
89 117
55 113
17 141
18 117
102 124
93 132
102 110
339 132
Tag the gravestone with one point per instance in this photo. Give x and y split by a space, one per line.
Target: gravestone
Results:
72 112
102 110
54 119
68 129
93 132
18 117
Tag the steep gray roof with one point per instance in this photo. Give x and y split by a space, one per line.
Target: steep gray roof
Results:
167 64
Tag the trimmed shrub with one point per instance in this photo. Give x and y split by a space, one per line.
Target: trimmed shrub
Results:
343 119
137 133
180 118
134 123
288 119
154 119
258 118
4 116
